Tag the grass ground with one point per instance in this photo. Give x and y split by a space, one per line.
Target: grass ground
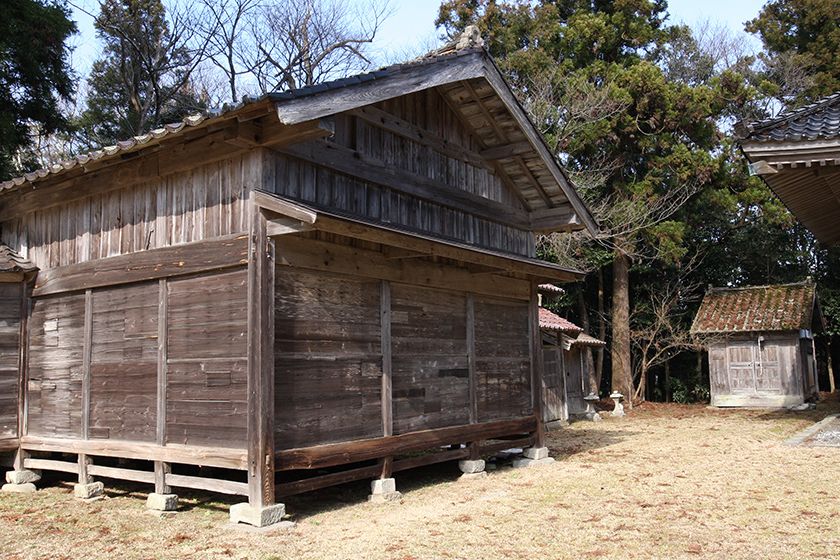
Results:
668 481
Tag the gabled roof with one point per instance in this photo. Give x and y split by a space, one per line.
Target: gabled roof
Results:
817 121
472 86
786 307
554 322
10 261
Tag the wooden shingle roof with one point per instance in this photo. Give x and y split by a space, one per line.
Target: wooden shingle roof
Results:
786 307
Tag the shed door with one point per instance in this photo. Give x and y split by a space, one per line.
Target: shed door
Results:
741 367
554 390
768 373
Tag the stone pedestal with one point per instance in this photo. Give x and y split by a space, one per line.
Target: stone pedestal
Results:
591 414
162 502
384 490
533 457
88 491
473 469
257 517
618 411
23 477
26 488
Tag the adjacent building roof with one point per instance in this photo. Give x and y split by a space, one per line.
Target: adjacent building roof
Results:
554 322
798 155
465 75
819 120
550 289
786 307
10 261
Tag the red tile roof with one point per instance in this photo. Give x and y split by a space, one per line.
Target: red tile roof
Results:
786 307
584 339
551 321
10 261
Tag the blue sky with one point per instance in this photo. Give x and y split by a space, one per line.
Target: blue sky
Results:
412 24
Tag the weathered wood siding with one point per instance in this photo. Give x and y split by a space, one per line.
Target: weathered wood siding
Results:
329 354
10 305
415 138
503 359
328 358
206 202
205 361
744 373
206 396
56 348
123 364
429 347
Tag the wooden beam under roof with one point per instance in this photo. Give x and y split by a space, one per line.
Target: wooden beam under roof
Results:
387 235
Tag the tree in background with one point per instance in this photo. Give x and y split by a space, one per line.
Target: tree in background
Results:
802 48
34 77
650 155
143 79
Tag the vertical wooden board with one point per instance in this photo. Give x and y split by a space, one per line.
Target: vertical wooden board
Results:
56 342
124 363
429 358
206 393
10 307
503 358
328 358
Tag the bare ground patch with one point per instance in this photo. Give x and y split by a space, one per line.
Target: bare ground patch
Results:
668 481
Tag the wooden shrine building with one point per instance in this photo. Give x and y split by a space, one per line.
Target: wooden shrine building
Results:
761 344
317 286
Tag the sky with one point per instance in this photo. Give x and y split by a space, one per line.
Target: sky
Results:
412 24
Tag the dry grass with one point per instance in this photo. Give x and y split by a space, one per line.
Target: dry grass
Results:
667 482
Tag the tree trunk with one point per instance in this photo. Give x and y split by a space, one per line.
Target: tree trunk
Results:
602 330
591 379
667 380
622 372
830 365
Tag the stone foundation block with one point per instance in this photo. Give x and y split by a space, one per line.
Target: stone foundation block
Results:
26 488
471 466
23 477
257 517
536 453
526 463
88 491
162 502
384 490
469 477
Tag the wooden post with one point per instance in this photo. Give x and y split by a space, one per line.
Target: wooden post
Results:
536 366
260 364
23 371
475 446
84 460
161 468
830 365
387 372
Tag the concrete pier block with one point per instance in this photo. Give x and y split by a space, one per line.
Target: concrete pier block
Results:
162 502
384 490
88 491
257 517
471 466
26 488
23 477
469 477
535 453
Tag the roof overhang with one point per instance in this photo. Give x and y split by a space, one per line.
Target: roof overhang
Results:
291 217
806 178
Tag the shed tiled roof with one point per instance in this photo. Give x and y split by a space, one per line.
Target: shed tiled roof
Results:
552 321
550 289
817 121
10 261
784 307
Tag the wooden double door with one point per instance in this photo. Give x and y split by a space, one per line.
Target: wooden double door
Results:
755 367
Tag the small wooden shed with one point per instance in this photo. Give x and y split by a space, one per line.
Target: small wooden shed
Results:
578 373
761 344
317 286
554 330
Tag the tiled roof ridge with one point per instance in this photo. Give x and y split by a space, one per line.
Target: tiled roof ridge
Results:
807 282
792 114
454 49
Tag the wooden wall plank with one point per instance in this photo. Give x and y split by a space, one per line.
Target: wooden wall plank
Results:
11 295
